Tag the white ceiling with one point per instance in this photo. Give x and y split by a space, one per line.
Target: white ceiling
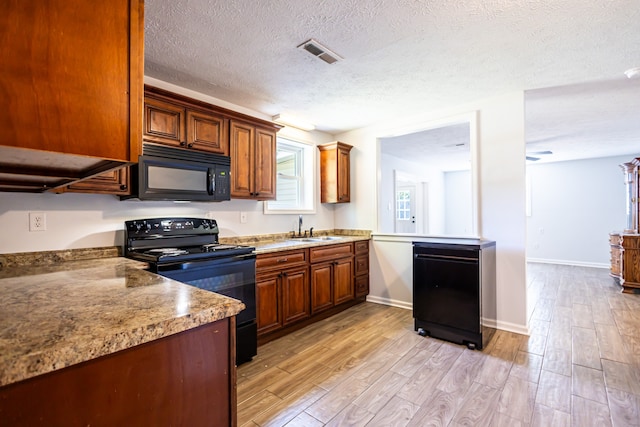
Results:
408 56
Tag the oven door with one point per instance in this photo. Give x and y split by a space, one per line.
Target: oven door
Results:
234 277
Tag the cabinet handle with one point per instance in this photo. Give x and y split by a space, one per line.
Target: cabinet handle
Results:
190 145
123 187
283 260
183 143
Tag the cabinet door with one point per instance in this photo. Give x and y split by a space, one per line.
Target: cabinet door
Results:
206 132
242 160
321 287
295 295
71 77
343 281
114 182
164 123
269 315
344 194
265 164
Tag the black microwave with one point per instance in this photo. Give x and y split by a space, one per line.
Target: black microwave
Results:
166 173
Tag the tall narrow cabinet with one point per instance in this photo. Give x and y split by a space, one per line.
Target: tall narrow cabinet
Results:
625 245
335 176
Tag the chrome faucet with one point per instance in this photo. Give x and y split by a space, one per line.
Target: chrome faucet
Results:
300 225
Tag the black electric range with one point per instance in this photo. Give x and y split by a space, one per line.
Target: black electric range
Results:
188 250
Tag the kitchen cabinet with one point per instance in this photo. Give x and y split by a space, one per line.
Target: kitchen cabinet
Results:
335 173
282 289
253 161
114 182
72 83
332 280
361 284
178 123
295 288
187 378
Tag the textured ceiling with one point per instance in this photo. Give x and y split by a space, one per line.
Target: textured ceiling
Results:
403 57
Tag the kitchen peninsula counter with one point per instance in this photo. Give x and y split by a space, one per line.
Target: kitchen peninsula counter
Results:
55 316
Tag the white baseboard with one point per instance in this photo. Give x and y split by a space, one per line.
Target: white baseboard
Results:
506 326
567 262
492 323
391 302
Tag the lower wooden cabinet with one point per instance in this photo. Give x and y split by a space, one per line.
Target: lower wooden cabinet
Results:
282 298
186 379
331 284
269 308
361 268
282 289
298 287
295 295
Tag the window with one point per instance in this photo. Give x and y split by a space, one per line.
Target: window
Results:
294 178
403 205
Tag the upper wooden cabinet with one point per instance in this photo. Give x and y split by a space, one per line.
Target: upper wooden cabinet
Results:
178 124
115 182
71 80
176 120
335 173
253 161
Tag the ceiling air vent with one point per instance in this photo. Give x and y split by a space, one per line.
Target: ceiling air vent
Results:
316 49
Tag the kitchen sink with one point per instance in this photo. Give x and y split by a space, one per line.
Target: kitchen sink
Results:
315 239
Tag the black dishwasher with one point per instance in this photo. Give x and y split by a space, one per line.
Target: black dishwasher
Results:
454 289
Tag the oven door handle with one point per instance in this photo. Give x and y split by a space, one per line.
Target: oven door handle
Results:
209 263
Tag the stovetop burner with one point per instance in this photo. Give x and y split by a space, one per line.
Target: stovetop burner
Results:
167 251
170 240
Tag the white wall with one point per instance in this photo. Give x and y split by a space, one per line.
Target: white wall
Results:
501 203
88 220
458 203
574 206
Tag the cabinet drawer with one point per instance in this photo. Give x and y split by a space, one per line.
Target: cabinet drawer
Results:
362 285
362 264
280 260
362 247
324 253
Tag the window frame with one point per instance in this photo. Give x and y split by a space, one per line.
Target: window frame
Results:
307 181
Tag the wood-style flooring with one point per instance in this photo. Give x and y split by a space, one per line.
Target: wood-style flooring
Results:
580 366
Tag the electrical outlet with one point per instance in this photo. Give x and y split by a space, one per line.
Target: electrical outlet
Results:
37 221
243 217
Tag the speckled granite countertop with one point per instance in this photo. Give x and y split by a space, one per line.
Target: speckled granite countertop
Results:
53 316
268 243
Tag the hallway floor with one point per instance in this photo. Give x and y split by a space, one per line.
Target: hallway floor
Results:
580 366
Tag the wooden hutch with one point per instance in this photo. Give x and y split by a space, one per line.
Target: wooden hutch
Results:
625 245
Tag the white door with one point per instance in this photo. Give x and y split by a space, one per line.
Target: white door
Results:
405 211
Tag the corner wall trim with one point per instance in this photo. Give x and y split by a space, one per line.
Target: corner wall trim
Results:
391 302
492 323
568 262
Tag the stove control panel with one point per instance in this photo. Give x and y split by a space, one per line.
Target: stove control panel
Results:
171 226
